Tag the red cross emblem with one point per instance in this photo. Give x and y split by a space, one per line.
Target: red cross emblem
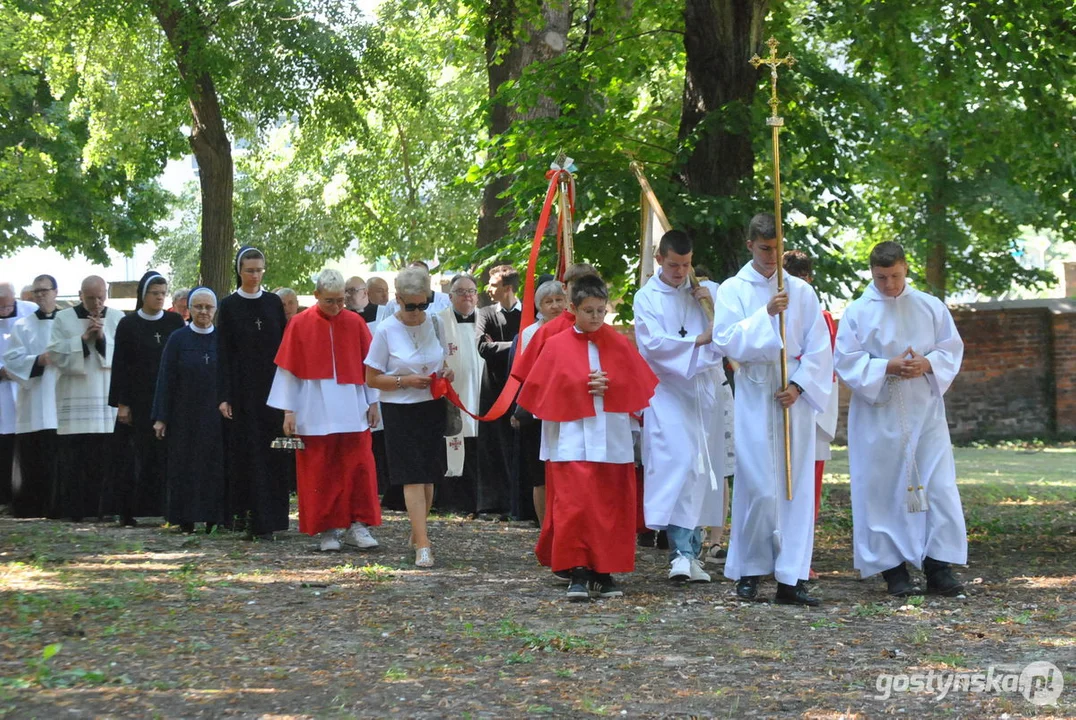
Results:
452 348
455 443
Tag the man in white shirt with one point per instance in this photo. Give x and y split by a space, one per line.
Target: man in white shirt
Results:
11 310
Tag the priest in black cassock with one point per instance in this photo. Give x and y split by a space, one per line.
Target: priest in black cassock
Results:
137 486
251 324
496 328
188 422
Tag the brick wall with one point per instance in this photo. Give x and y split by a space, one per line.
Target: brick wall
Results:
1019 373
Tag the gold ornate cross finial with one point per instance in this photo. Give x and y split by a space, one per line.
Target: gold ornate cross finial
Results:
773 62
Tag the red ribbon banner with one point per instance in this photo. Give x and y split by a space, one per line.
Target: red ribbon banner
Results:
441 387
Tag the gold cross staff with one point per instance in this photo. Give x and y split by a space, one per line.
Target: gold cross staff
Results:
773 62
775 122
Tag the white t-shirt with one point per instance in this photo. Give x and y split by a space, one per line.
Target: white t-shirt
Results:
399 349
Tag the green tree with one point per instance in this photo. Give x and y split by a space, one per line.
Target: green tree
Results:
972 128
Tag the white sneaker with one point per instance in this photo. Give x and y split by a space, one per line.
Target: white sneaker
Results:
698 575
681 569
329 541
359 536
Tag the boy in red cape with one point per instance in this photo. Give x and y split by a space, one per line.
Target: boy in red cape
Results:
584 385
320 385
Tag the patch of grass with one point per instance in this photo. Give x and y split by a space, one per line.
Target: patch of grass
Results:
373 573
919 636
40 673
564 672
824 623
547 641
953 660
395 674
520 658
871 610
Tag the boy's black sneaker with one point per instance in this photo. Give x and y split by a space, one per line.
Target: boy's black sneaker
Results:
577 588
602 585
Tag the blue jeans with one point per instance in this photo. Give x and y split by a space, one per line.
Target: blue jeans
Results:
684 541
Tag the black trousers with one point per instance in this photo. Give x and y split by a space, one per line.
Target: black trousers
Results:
7 466
35 475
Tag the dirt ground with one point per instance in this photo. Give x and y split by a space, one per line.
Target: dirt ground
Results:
99 621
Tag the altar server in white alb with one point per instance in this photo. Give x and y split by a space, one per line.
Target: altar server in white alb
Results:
684 427
81 347
771 534
11 310
899 351
27 363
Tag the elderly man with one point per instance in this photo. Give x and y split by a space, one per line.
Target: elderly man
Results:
377 291
357 299
290 300
11 309
81 348
26 363
320 386
179 303
461 355
497 326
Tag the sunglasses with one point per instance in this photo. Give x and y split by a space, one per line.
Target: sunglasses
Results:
412 307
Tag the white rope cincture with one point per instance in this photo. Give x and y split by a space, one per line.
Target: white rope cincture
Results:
916 497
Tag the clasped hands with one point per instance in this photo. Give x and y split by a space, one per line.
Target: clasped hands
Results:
908 365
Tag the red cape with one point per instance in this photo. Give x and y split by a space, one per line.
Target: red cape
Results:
556 384
304 350
523 364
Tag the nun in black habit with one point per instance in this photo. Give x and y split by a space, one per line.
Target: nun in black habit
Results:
251 324
188 422
137 485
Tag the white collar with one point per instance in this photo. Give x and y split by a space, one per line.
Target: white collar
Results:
142 314
202 331
517 306
666 287
249 296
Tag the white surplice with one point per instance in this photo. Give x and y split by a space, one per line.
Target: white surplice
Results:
604 438
897 430
35 408
771 534
82 388
323 406
9 387
461 355
683 435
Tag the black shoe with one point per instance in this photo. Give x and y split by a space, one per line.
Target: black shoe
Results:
577 589
252 536
128 521
940 578
563 574
747 587
186 528
646 539
899 582
662 540
602 585
795 595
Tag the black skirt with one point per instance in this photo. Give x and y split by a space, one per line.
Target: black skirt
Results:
415 441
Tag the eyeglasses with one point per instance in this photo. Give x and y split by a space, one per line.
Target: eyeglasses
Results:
203 308
43 291
465 292
332 301
353 291
412 307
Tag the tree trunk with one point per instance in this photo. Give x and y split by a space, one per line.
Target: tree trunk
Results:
507 54
720 36
938 230
184 26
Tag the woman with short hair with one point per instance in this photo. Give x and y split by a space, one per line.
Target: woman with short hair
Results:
186 418
405 355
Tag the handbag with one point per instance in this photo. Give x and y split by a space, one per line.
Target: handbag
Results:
453 416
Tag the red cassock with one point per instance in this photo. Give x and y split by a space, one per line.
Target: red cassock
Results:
592 505
336 476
